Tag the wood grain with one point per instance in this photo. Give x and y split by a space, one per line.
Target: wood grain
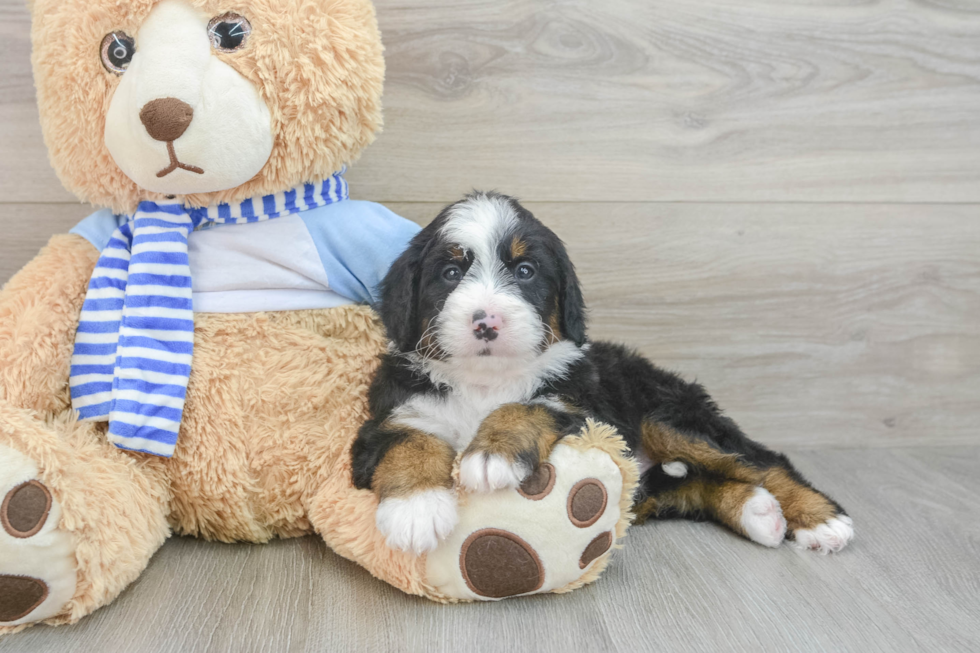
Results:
642 100
28 227
25 174
909 582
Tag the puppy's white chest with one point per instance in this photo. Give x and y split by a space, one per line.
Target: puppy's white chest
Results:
454 418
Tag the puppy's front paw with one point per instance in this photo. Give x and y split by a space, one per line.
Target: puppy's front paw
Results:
418 522
486 472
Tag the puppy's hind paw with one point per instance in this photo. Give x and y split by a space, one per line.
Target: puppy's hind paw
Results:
418 522
486 472
829 537
762 519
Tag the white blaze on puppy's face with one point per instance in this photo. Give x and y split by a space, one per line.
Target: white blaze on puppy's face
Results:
487 296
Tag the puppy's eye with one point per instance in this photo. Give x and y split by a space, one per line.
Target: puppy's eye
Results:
117 51
524 271
452 273
228 32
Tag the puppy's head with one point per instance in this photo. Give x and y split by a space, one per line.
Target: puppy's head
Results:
484 279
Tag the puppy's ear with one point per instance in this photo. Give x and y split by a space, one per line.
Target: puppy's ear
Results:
571 305
400 294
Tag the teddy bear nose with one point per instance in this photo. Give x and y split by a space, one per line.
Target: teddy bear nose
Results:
166 118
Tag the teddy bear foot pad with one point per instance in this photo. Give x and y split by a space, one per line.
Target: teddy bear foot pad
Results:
37 561
568 515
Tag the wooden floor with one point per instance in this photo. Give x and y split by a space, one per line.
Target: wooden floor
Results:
909 582
781 199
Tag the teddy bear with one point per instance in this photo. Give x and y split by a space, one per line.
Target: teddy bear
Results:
194 357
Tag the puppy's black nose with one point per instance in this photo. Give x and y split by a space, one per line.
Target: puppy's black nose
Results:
485 326
483 332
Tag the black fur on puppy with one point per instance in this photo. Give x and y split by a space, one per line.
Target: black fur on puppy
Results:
489 356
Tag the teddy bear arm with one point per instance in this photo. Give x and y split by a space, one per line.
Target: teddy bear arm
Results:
39 312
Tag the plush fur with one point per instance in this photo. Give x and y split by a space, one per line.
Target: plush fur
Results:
324 111
490 359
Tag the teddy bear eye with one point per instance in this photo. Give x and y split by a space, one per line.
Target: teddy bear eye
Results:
228 32
117 50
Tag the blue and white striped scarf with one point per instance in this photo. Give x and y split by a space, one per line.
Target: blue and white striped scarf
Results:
135 338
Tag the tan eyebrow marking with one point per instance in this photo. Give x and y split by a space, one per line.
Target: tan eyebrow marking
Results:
457 252
517 247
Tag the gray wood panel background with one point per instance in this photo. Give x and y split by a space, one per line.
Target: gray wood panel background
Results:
780 198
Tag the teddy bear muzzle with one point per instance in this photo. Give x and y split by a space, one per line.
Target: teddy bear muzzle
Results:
166 119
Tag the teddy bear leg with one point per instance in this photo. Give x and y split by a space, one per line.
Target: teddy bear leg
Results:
554 533
79 519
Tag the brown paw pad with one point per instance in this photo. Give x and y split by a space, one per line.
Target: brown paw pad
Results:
496 563
19 595
538 485
596 548
25 509
586 502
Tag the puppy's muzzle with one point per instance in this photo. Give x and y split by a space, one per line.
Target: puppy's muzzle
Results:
485 327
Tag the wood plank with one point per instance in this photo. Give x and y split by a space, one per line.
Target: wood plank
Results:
27 228
910 581
813 325
642 100
25 174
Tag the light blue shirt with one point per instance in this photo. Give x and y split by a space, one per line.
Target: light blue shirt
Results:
322 257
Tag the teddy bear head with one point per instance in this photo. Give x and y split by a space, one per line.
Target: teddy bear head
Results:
207 100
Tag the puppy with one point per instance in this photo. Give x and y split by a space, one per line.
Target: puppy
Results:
489 356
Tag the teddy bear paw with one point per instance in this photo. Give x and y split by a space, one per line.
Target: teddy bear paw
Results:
543 535
37 559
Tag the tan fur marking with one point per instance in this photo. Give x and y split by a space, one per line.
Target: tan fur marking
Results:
803 507
419 462
517 248
721 500
514 429
664 444
720 495
726 501
457 253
